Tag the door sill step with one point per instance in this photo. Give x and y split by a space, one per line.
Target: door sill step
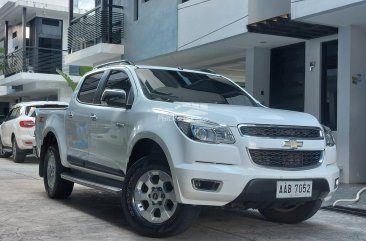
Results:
88 183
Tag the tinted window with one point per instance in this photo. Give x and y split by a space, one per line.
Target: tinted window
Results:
89 88
184 86
14 113
118 80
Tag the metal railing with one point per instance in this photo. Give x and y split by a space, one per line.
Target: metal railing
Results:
33 60
99 25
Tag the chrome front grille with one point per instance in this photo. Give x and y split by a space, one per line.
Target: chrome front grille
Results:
286 132
286 158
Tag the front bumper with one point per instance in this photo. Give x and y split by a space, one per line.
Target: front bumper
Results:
260 194
237 184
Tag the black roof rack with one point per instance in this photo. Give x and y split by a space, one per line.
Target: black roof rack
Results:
208 71
118 62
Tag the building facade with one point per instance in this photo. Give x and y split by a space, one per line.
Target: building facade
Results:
33 39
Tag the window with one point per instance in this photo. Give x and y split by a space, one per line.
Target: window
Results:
50 22
89 88
118 80
183 86
14 35
14 113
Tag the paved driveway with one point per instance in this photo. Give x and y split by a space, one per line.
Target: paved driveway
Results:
27 214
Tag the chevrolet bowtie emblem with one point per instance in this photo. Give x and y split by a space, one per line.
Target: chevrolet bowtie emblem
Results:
293 144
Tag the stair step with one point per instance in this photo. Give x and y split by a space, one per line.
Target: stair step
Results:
89 183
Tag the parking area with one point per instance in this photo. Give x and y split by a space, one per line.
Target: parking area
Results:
27 214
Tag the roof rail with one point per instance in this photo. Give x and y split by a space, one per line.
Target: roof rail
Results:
208 71
118 62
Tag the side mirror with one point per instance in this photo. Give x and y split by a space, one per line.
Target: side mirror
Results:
115 98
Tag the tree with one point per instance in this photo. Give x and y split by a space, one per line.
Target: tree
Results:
82 70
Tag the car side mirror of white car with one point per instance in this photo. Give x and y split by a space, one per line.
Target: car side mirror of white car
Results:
114 97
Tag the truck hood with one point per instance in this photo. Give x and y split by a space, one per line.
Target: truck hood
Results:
232 115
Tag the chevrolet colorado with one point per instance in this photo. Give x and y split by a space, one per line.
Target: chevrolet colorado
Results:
171 140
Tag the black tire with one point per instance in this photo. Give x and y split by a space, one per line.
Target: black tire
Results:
18 155
3 154
292 215
182 216
56 188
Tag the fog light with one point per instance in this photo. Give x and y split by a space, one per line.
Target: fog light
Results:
206 185
336 183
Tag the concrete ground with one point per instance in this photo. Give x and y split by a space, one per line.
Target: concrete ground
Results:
27 214
346 191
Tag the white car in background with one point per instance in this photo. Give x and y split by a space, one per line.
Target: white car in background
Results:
17 130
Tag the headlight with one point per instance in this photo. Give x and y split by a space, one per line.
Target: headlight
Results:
204 131
328 135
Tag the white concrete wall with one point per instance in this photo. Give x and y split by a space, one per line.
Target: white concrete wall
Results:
264 9
351 105
313 52
258 68
302 8
201 22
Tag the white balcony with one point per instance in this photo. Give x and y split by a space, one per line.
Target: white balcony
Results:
95 37
98 53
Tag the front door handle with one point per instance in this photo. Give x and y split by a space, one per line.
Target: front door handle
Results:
70 114
93 117
119 124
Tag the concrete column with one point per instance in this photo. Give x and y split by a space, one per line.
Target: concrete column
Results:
313 78
71 11
313 53
258 68
24 27
6 41
351 133
24 42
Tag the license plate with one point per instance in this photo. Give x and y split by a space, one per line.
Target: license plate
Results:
294 189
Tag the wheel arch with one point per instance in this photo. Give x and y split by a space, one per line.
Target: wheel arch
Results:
146 146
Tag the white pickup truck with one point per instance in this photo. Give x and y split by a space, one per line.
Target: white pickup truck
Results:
171 140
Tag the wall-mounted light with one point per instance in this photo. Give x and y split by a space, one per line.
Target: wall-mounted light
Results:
357 78
312 65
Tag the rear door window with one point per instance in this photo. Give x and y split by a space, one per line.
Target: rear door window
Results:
89 88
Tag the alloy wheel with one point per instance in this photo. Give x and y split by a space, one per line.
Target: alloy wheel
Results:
154 198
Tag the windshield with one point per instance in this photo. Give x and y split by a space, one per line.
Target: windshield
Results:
183 86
